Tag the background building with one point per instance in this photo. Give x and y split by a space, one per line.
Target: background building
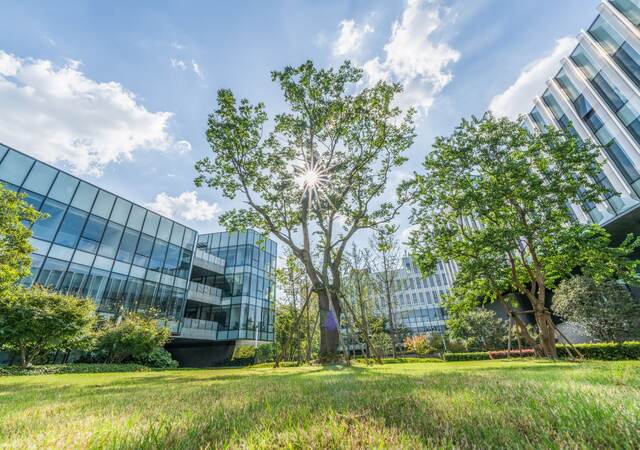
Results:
417 300
597 91
128 258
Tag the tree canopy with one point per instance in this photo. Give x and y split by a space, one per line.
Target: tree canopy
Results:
318 176
494 198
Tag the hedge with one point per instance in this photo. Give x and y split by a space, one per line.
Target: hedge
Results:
609 351
71 368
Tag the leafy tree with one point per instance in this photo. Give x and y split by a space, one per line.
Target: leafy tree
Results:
494 198
607 311
382 344
479 329
419 345
37 321
317 178
133 337
16 216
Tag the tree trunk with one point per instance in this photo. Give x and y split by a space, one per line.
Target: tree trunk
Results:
329 323
23 357
547 332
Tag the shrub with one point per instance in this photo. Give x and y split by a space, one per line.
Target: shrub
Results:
265 353
133 338
71 368
525 352
418 345
159 358
243 355
469 356
609 351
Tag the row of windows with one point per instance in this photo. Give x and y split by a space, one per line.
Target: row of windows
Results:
245 255
620 51
112 292
629 8
39 180
234 317
228 239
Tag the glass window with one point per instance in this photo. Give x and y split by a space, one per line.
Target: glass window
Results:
92 234
120 211
104 203
172 262
157 256
46 228
593 121
629 8
605 35
34 199
151 223
71 227
583 107
36 264
132 293
136 217
40 178
610 94
582 59
52 272
567 86
111 240
63 188
537 118
74 279
3 150
14 167
85 194
164 230
114 293
128 245
189 238
629 61
176 234
95 284
553 105
622 161
146 296
143 252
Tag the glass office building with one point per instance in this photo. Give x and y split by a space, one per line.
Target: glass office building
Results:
417 300
213 287
597 91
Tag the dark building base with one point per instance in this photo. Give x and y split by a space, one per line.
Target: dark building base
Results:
192 353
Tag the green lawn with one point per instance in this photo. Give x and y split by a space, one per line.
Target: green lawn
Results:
514 404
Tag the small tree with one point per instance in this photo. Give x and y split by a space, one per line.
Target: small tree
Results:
419 345
479 329
494 199
16 217
133 337
607 311
37 321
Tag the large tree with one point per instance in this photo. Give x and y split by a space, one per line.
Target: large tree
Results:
494 198
317 178
16 216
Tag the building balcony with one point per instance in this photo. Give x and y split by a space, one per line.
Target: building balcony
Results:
198 329
205 261
202 293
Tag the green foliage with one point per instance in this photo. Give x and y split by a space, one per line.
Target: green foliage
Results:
478 329
16 218
493 197
382 344
468 356
419 345
607 311
350 137
52 369
36 321
243 355
159 358
265 353
608 351
132 337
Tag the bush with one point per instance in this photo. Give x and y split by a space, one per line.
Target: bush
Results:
159 358
608 351
469 356
418 345
71 368
132 339
265 353
243 356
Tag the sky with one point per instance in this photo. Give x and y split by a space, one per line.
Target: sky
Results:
118 92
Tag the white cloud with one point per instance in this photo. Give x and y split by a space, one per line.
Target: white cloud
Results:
177 45
196 69
185 206
59 114
518 98
405 234
178 64
413 57
350 39
183 147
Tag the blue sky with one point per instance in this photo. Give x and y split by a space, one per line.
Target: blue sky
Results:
119 92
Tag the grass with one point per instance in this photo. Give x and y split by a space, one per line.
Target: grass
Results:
485 404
